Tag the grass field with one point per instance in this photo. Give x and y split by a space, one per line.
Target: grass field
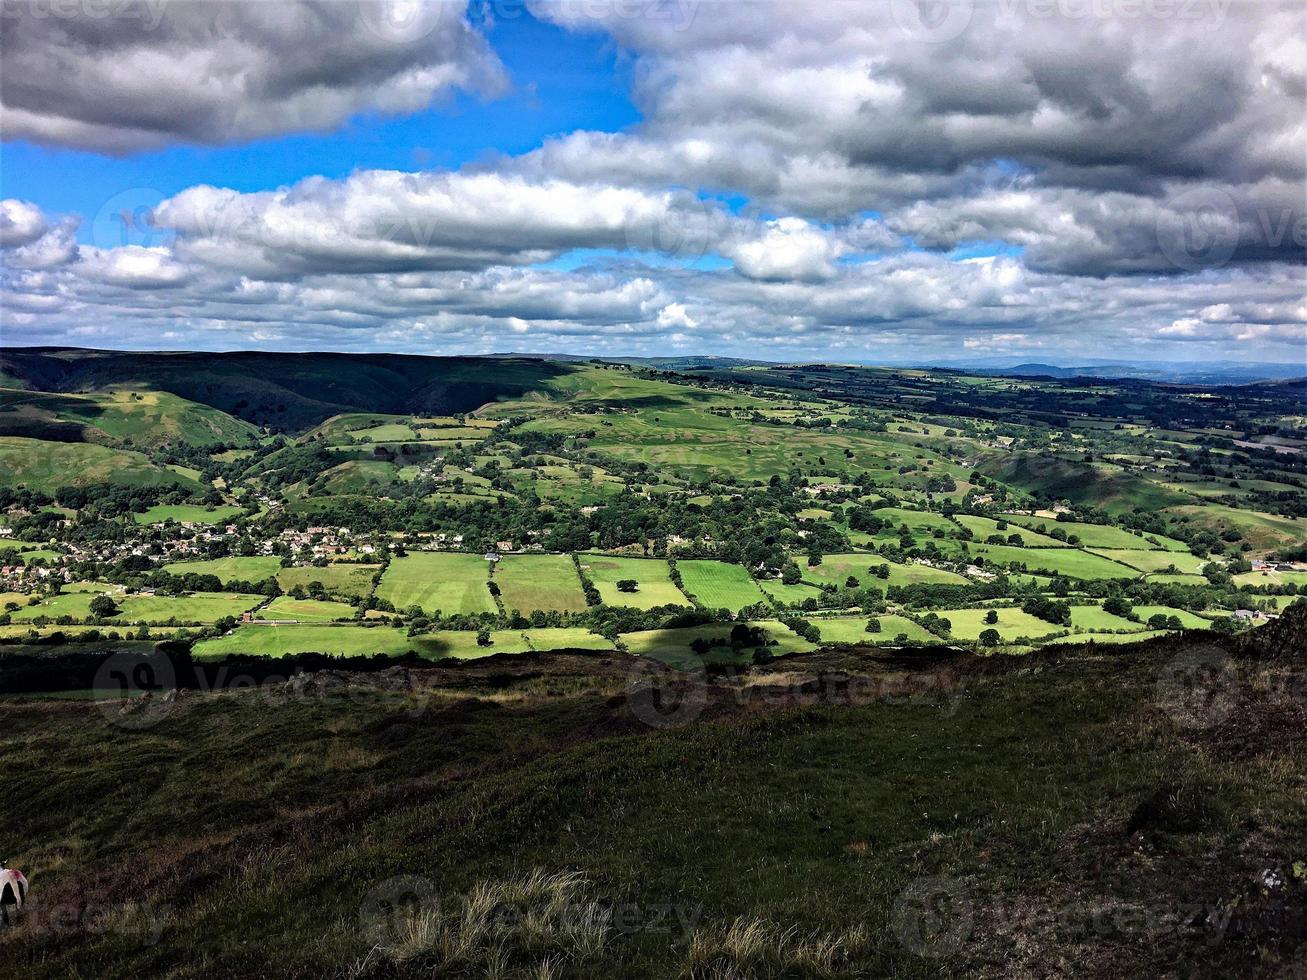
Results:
1068 562
40 464
194 607
1156 561
306 610
983 527
443 582
1136 637
545 582
788 595
673 646
836 569
1094 618
655 589
1271 578
338 578
853 630
251 569
187 514
968 624
278 641
719 585
1190 621
1091 535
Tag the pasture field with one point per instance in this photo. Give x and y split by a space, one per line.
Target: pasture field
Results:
436 581
254 568
654 577
544 582
40 464
983 527
788 595
192 607
719 585
1067 562
836 569
968 624
188 514
916 520
1272 578
1093 618
357 641
1169 562
1265 532
1190 621
1178 579
1136 637
1090 535
673 646
853 630
306 610
338 578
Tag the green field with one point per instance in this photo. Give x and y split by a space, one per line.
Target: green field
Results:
853 630
545 582
789 595
39 464
968 624
188 514
1068 562
251 569
982 527
718 585
1190 621
306 610
654 577
1272 578
1091 535
193 607
278 641
1156 561
836 569
1093 618
438 582
339 578
673 646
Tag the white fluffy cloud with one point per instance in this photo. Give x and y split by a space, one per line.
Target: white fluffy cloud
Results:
135 74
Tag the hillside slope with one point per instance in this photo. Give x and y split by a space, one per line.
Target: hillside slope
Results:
290 392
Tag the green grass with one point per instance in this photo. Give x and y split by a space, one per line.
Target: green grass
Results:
673 646
968 624
250 569
1093 618
853 630
339 578
545 582
188 514
39 464
719 585
280 641
1271 578
1091 535
1190 621
194 607
836 569
1156 561
652 574
982 527
789 595
1068 562
444 582
1135 637
306 610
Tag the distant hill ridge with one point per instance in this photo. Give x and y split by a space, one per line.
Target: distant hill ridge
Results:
289 391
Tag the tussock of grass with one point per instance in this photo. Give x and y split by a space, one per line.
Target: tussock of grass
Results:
752 949
520 927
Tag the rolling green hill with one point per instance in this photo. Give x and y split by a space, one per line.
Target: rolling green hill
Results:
291 392
47 466
136 419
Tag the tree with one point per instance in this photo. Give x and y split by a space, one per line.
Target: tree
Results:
627 585
873 625
790 574
483 638
102 607
990 638
991 617
1117 606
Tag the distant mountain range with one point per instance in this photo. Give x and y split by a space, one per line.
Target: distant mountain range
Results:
1181 372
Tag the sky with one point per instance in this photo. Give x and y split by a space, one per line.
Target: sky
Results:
880 180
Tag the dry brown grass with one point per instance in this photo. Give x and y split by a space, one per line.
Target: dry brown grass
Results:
754 949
